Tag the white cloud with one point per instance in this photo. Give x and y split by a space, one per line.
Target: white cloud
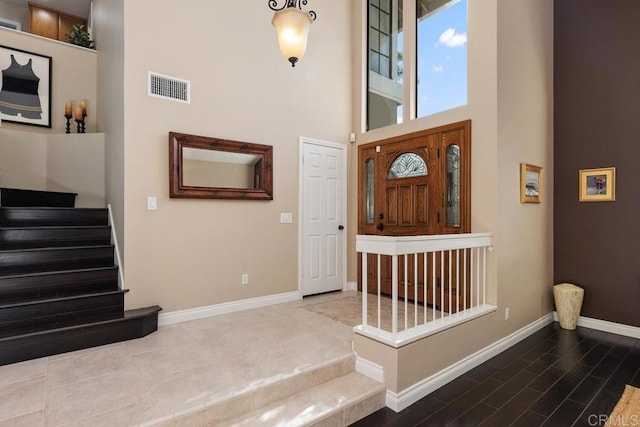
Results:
450 38
438 68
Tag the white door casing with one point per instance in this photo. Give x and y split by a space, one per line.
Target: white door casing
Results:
322 216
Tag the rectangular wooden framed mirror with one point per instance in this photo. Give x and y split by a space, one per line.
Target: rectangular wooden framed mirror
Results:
202 167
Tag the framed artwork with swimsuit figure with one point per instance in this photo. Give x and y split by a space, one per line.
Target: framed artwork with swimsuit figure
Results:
25 91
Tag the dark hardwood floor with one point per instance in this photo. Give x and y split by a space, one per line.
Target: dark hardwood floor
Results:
553 378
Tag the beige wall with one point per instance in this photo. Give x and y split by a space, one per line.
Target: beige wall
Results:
54 162
73 73
510 105
15 13
191 253
525 135
108 28
23 159
75 164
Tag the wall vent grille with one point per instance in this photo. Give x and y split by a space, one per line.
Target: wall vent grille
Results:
171 88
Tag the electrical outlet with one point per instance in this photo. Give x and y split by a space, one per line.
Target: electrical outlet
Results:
286 218
245 279
506 313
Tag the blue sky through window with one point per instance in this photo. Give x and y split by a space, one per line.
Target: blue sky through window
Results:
442 60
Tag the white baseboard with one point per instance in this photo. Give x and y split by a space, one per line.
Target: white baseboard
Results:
225 308
410 395
369 369
606 326
351 286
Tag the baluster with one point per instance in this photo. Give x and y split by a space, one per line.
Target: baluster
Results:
478 277
433 284
484 278
471 273
457 280
424 284
415 289
465 278
450 280
364 288
379 292
394 295
442 285
406 292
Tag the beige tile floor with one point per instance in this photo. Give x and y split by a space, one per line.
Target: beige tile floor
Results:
181 367
178 369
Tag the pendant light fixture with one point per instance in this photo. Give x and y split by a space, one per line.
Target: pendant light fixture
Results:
292 26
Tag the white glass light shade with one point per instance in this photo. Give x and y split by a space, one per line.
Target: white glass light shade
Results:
292 26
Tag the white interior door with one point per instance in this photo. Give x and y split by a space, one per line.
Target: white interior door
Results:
322 216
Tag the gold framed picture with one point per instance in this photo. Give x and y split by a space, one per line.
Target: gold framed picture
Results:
530 183
598 185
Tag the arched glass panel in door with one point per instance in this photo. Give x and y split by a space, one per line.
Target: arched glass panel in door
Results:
408 165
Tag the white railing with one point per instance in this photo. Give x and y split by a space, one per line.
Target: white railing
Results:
421 285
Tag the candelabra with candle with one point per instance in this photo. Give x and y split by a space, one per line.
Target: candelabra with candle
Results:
67 114
80 116
83 107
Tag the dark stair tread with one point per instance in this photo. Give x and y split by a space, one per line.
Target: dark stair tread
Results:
26 260
54 236
55 208
51 227
14 216
20 197
56 272
58 283
48 300
19 329
134 324
56 248
55 244
126 315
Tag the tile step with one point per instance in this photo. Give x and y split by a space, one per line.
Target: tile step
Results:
336 403
331 391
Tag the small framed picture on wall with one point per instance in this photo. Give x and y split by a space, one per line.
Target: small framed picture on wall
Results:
530 183
598 185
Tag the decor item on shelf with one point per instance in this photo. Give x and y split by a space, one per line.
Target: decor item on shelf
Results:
80 115
292 26
598 185
68 108
25 97
530 183
79 36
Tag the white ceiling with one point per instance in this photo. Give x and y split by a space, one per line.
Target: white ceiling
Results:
72 7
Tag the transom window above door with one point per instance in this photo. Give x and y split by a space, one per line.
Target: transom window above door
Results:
438 50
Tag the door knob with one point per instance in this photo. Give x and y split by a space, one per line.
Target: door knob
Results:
380 226
341 227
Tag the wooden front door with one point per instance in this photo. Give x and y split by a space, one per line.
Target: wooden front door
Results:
410 186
